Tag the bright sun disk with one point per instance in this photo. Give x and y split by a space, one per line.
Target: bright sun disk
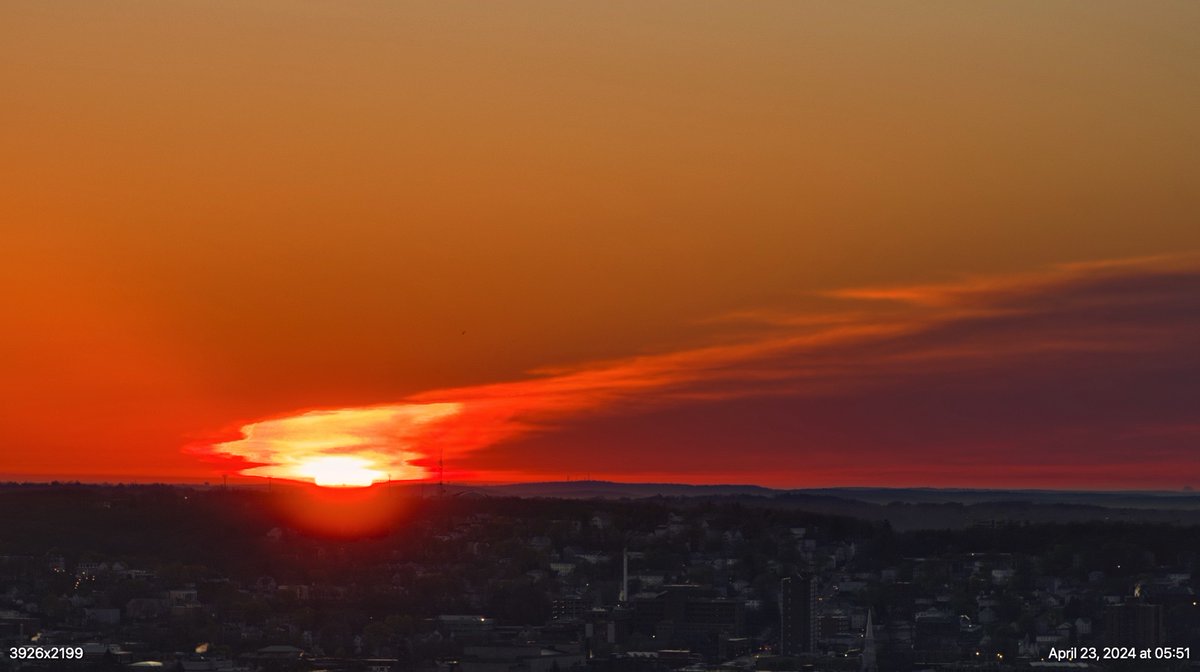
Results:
340 471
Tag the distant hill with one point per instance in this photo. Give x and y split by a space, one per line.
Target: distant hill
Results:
904 508
610 489
613 490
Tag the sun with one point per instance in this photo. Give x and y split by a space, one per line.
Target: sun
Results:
340 472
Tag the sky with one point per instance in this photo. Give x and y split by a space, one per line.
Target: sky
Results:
793 244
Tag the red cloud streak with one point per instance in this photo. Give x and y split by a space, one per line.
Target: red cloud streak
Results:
1072 377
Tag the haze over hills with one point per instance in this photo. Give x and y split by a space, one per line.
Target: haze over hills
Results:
607 489
904 508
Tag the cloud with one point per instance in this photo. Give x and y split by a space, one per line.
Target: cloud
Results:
375 443
1031 378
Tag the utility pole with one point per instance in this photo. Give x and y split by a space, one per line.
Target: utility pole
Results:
441 474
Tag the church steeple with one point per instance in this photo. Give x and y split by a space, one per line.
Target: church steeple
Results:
869 664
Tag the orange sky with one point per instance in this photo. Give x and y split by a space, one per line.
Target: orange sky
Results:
219 213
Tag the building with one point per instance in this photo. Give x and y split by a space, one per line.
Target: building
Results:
798 623
569 606
517 658
688 617
936 637
1134 623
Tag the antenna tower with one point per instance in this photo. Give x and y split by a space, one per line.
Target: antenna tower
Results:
441 474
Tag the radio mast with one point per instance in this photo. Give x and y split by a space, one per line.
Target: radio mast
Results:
441 473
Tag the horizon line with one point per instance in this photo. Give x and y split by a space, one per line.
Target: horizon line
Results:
246 482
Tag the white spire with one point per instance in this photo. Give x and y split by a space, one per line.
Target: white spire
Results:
869 664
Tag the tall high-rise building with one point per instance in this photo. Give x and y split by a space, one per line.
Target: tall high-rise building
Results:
1134 623
798 622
